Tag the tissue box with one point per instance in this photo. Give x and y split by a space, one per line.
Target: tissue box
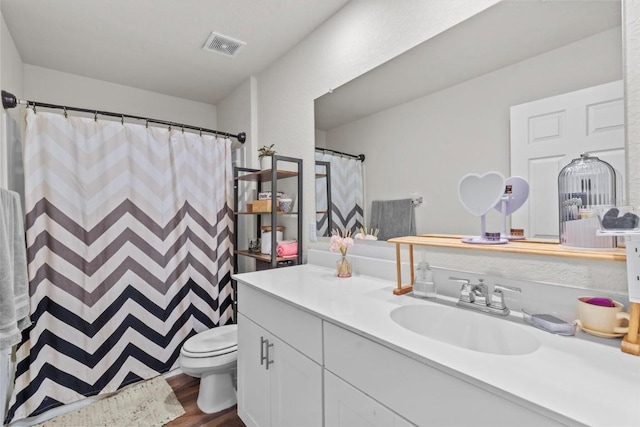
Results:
618 218
263 205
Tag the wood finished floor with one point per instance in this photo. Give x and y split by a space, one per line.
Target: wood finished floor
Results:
186 390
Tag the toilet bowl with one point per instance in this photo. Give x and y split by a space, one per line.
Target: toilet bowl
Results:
211 356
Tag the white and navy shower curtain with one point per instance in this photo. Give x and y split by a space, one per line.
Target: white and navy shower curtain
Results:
129 244
347 195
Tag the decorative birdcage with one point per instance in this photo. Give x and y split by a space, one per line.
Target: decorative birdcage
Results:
585 185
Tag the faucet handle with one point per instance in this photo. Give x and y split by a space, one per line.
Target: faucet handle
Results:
466 290
506 288
497 297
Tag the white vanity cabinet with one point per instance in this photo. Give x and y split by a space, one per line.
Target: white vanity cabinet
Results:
421 393
279 363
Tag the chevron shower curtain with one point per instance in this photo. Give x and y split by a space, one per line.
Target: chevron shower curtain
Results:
129 254
347 195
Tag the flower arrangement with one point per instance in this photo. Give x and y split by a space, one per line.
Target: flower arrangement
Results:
265 151
341 241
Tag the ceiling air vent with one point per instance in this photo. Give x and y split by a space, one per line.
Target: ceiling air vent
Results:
223 45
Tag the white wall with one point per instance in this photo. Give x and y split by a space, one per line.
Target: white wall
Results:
425 146
11 81
236 113
321 138
631 16
55 87
361 36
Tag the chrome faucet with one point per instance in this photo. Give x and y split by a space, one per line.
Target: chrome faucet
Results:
476 296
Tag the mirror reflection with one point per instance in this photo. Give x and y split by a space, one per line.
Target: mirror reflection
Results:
494 93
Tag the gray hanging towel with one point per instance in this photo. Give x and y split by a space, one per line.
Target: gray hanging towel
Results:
14 287
394 218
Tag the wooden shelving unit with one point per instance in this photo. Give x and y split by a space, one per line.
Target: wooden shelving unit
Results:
260 177
530 247
261 256
266 175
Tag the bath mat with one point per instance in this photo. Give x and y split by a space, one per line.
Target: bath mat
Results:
149 403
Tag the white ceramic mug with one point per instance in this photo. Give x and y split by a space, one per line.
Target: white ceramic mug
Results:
598 318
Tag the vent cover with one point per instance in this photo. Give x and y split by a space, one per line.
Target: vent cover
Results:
223 45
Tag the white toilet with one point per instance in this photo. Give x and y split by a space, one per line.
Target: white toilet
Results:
211 356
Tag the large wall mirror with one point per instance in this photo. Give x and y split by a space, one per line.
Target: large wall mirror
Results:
442 109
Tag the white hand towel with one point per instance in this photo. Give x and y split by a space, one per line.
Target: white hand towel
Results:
14 286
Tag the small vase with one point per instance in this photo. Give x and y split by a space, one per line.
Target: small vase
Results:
265 162
343 267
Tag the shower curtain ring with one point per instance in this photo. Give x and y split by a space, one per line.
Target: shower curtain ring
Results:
95 116
122 120
147 124
65 113
34 108
182 128
200 131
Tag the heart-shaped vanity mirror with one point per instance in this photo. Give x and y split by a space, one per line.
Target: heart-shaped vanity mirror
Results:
515 195
479 194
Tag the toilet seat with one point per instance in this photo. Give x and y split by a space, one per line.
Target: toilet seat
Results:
212 342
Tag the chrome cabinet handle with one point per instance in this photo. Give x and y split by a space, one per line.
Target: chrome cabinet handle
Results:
263 357
269 362
264 352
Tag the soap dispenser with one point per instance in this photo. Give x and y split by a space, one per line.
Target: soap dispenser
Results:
423 284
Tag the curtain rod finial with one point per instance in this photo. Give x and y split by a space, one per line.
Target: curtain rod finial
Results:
8 100
242 137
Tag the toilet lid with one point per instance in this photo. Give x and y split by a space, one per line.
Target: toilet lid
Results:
213 340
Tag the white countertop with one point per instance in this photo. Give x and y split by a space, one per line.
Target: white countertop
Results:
589 382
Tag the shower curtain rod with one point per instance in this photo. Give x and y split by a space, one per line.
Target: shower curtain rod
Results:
340 153
9 100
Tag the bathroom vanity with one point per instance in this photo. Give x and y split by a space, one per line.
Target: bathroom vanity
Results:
315 349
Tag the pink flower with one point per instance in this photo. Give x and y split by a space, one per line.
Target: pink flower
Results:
341 241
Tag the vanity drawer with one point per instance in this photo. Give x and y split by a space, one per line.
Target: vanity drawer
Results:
296 327
422 394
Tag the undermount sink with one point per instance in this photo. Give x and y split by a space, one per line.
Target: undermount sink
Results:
466 329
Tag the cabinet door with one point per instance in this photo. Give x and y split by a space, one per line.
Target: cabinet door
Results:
346 406
296 387
254 405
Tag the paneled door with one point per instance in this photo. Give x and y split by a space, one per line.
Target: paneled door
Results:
547 134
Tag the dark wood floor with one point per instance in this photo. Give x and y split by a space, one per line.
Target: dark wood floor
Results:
186 390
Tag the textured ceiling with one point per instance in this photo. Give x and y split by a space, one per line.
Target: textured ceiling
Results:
156 45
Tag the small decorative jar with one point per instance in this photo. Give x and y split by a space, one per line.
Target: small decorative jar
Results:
343 267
